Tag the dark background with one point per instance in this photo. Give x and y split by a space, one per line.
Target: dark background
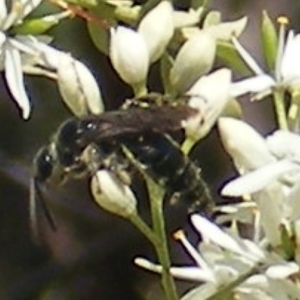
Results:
90 256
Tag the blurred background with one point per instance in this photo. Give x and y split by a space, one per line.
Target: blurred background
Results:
90 256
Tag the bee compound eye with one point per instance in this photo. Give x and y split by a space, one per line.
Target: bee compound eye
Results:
43 164
67 134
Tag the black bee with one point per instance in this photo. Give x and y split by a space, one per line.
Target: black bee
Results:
141 130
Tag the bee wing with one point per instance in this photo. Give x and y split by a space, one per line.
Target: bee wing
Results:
134 121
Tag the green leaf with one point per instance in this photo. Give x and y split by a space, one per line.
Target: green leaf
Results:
269 41
228 55
99 36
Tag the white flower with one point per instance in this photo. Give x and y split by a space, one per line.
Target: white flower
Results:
270 172
233 266
287 69
209 101
21 53
221 260
78 87
157 28
129 55
194 59
113 195
11 50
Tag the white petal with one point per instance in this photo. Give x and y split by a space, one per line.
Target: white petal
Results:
186 273
290 63
225 274
187 18
242 212
247 147
19 10
202 292
112 195
269 202
148 265
254 294
21 46
3 12
288 287
258 281
78 87
192 273
161 16
292 208
209 101
254 252
194 59
213 233
258 179
284 144
14 78
226 30
282 271
47 56
3 40
129 54
255 84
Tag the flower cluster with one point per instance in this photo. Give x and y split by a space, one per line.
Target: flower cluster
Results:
265 265
22 52
231 267
132 52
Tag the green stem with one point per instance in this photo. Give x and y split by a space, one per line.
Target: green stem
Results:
293 112
128 15
187 145
280 109
157 235
157 196
140 89
144 228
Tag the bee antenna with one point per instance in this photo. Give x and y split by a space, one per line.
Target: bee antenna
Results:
36 201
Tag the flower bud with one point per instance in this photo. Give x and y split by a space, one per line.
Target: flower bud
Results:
194 59
78 87
209 101
129 55
112 195
157 28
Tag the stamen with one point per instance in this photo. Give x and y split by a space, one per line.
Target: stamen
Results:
245 55
283 22
181 237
